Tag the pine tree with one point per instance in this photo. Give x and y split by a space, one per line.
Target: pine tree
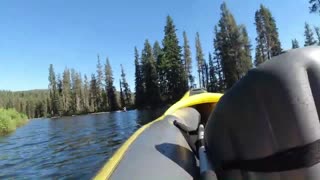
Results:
150 75
122 99
268 43
295 44
245 55
308 34
213 81
157 51
314 6
232 47
126 88
99 84
317 29
110 89
60 99
54 99
93 94
86 94
139 94
217 61
66 91
175 77
187 59
200 60
205 74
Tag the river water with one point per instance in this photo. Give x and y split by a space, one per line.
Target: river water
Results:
69 147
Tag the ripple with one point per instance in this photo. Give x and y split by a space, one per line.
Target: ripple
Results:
66 148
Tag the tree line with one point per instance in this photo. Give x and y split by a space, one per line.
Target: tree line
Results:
74 94
163 70
164 73
32 103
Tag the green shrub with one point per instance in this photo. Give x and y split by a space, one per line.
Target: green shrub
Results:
10 119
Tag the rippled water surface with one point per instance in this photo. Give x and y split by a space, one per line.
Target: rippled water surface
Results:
68 147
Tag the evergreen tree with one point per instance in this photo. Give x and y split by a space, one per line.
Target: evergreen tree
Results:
150 75
99 84
317 29
157 51
187 59
232 47
200 60
93 94
295 44
126 88
205 74
268 43
60 99
308 34
314 6
122 99
139 94
213 81
217 61
175 78
66 91
86 94
54 99
245 62
110 89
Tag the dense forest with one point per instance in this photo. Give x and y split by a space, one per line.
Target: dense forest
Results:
163 69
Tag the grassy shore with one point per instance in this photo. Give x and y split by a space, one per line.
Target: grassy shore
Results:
10 119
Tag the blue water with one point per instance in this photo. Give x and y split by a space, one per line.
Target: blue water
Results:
69 147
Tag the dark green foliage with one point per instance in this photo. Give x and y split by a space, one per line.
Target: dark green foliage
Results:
217 62
157 52
187 59
245 62
32 103
139 87
213 85
295 44
99 85
200 61
268 43
93 94
308 34
150 76
205 74
232 48
110 89
174 75
317 29
66 91
314 6
161 68
54 96
122 99
126 89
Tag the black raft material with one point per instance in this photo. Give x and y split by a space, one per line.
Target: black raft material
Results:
267 125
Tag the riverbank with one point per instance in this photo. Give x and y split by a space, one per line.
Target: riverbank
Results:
10 120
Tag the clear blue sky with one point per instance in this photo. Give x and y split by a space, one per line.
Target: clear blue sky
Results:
70 33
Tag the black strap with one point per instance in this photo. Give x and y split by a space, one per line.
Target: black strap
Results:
294 158
190 136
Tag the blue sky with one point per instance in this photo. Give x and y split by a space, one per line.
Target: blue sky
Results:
36 33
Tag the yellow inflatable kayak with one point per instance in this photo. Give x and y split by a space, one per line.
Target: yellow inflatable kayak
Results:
145 154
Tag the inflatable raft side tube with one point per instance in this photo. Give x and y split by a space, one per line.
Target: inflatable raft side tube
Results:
187 101
106 171
194 100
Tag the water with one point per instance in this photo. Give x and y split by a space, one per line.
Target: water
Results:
69 147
